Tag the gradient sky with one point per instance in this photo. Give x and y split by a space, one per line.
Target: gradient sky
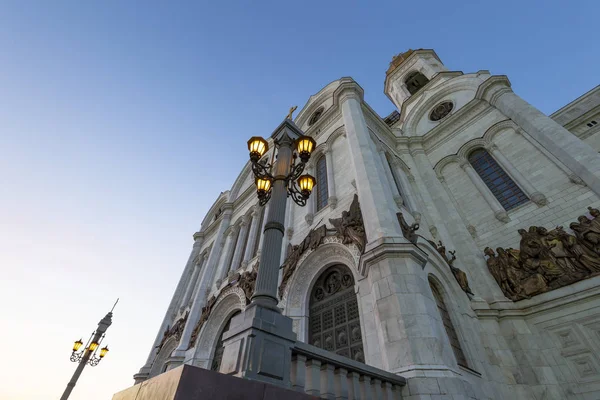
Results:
121 121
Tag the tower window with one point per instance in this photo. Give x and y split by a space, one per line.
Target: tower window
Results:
415 81
496 179
322 190
592 123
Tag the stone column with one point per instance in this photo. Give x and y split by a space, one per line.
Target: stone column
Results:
262 227
310 203
408 196
289 233
239 246
205 282
390 177
535 196
231 235
192 284
173 306
499 211
253 236
578 156
332 200
375 197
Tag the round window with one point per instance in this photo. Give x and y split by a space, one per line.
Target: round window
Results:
441 110
316 116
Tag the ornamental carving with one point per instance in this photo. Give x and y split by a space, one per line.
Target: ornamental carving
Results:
459 274
245 281
409 232
175 331
349 227
547 260
336 280
441 110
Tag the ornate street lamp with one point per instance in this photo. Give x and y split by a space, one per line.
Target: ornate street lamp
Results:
299 186
276 181
87 356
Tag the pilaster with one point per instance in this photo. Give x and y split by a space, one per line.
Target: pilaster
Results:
375 196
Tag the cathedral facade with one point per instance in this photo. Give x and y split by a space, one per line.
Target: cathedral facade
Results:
454 243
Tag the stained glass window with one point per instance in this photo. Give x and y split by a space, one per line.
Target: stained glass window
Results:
502 186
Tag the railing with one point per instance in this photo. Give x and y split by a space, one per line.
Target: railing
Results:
327 375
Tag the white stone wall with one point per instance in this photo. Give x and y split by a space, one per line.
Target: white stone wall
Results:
541 348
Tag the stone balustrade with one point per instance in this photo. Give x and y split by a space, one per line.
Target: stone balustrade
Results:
329 376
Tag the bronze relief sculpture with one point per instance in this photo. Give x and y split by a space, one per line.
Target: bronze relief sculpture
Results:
349 227
547 260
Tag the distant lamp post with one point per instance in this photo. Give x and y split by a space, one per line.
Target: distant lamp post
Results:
87 356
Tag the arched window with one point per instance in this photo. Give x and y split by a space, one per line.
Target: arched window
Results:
218 357
502 186
334 323
322 191
415 81
454 342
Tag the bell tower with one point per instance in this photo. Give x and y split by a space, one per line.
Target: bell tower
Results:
409 72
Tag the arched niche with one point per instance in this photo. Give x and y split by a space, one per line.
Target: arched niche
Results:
159 364
230 301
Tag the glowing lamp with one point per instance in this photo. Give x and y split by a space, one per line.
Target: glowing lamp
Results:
93 346
258 147
103 351
306 184
263 186
77 345
305 145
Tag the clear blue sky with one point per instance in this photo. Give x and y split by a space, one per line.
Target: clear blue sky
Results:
120 123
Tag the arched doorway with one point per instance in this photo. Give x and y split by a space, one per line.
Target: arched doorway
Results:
218 357
334 323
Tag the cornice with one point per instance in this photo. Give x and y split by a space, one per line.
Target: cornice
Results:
492 88
348 89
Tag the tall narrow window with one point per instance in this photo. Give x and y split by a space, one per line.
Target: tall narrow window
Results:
334 323
218 357
322 191
458 353
502 186
415 81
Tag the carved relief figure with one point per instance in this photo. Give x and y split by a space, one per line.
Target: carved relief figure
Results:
547 260
176 330
350 226
459 275
409 231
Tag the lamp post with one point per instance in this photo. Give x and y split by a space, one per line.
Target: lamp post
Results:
258 344
88 354
275 182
